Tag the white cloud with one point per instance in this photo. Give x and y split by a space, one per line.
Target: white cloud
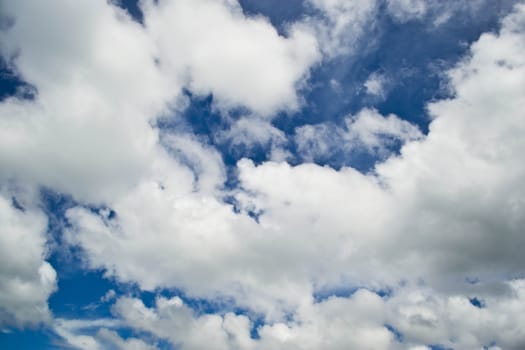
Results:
109 296
250 132
418 314
426 317
337 323
26 279
367 130
204 161
241 60
405 10
340 24
87 132
111 338
96 334
438 13
450 206
376 85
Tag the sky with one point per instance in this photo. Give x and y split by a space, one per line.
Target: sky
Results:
262 174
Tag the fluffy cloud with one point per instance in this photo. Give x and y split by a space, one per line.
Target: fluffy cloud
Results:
96 335
87 131
450 206
102 79
26 279
366 131
251 132
426 317
412 317
229 55
337 323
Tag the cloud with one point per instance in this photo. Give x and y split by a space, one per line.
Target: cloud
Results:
337 323
367 131
405 10
96 334
339 24
376 85
426 317
87 131
26 279
410 318
250 132
447 208
438 13
102 79
229 56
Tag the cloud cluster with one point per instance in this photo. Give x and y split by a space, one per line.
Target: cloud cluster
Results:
229 55
413 318
367 131
102 82
96 334
449 207
26 279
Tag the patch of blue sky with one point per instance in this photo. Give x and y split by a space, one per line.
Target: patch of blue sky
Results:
133 8
347 292
11 84
477 302
396 332
280 13
40 338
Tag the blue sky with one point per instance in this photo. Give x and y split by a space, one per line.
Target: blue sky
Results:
243 174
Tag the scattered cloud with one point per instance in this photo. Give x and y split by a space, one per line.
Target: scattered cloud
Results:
435 210
367 131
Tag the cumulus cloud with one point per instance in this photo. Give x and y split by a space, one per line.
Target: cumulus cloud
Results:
229 56
337 323
426 317
102 82
253 132
411 318
367 131
26 279
448 207
87 131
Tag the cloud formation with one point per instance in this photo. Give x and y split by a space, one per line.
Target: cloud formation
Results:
26 279
435 223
